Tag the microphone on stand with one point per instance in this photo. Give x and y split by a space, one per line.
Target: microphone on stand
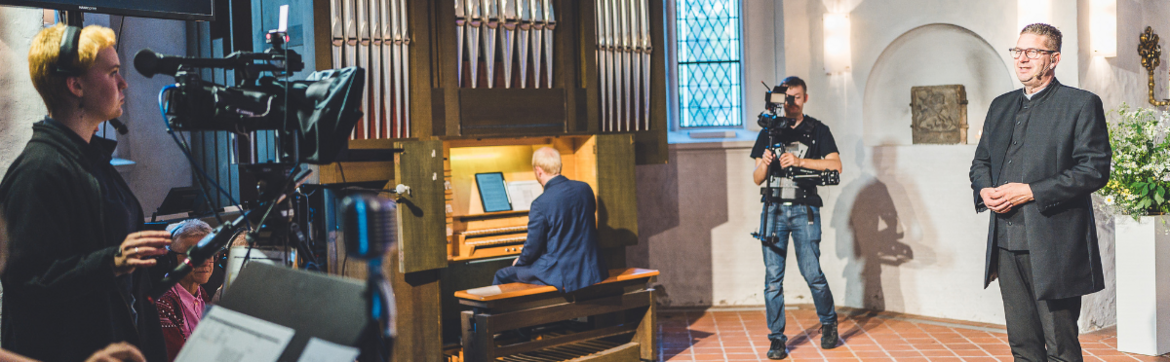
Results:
197 254
370 226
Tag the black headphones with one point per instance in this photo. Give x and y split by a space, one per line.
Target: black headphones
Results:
70 39
69 42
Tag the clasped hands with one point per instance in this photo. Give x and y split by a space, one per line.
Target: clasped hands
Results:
786 159
1004 198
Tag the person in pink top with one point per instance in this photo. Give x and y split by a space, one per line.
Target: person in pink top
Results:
181 307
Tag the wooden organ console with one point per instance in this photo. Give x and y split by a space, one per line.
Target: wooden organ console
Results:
476 235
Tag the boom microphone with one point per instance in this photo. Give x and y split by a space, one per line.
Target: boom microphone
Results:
149 63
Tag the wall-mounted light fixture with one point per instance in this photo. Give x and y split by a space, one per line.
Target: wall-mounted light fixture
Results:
1103 27
837 53
1033 11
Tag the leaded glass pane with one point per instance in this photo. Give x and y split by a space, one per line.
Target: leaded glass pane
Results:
708 63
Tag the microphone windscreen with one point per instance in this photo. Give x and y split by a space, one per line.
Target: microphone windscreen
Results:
146 62
370 224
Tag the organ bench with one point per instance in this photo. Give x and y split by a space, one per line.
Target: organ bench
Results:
620 327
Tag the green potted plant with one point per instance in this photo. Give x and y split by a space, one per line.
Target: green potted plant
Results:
1139 183
1138 195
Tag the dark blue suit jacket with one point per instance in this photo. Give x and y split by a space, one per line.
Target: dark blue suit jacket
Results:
561 249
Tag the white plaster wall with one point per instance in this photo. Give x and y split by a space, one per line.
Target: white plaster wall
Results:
900 232
933 54
19 104
159 164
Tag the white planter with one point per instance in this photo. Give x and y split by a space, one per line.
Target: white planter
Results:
1143 284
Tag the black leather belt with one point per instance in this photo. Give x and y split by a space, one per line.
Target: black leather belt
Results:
774 194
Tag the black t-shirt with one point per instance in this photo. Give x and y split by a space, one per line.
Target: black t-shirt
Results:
811 139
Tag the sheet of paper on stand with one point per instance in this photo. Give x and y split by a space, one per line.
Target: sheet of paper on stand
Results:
225 335
320 350
523 193
237 254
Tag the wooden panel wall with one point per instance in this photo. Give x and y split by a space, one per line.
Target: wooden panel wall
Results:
617 202
422 216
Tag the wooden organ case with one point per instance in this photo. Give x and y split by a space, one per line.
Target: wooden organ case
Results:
470 86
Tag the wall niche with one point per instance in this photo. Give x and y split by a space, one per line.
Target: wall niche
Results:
931 55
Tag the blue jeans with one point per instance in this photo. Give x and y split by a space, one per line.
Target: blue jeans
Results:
782 221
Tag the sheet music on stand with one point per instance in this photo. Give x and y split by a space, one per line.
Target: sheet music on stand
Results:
523 193
273 313
229 336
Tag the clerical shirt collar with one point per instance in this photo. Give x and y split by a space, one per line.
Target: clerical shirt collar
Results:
1029 96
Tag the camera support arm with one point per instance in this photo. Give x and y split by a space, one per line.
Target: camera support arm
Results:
222 235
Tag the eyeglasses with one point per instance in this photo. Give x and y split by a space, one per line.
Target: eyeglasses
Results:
1032 53
218 256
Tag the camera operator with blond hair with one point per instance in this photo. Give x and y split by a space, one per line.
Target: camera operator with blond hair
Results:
76 279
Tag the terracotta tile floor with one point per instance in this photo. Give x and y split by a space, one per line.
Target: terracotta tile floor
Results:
742 335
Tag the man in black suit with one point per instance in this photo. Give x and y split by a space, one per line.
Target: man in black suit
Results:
561 249
1043 152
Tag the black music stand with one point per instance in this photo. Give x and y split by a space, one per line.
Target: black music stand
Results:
314 304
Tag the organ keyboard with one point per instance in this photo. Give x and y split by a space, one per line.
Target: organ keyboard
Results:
489 235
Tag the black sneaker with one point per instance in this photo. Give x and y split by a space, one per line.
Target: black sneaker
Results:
829 337
777 350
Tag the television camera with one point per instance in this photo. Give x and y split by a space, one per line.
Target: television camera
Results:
313 119
315 115
779 128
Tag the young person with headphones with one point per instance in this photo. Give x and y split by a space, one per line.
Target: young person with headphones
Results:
76 279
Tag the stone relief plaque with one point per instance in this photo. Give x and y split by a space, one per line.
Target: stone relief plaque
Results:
939 114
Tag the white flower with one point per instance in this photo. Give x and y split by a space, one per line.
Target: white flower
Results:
1109 200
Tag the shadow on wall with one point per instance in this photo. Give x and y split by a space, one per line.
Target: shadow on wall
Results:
875 240
675 219
610 239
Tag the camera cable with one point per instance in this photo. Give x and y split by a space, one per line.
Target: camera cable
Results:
163 109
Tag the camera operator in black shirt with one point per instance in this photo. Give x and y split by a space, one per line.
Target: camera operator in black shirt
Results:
808 157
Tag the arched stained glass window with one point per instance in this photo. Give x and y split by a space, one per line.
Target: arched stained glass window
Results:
709 67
